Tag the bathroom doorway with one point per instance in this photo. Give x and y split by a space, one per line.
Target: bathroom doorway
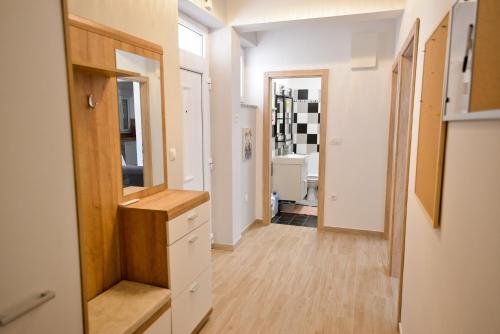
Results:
294 137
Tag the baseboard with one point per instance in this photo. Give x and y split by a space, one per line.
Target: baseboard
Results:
353 231
227 247
255 222
203 321
224 247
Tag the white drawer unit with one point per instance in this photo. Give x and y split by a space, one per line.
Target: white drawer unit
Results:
191 306
166 243
188 221
188 257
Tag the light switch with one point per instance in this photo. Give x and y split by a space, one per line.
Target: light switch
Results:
172 154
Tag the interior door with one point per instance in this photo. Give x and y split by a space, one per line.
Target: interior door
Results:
192 109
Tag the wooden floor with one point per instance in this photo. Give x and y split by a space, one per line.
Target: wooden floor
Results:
290 279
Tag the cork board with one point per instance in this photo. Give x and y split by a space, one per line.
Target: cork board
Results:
486 68
432 130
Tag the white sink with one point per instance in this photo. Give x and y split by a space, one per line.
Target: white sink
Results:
290 159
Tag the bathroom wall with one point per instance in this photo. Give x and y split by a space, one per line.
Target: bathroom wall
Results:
451 274
358 109
306 120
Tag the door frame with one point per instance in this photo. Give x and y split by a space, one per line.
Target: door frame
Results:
266 138
410 42
196 64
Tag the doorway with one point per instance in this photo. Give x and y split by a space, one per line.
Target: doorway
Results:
400 128
192 108
289 190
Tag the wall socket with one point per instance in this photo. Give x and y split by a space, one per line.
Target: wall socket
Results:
333 197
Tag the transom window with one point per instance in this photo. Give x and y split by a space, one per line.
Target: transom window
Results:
190 40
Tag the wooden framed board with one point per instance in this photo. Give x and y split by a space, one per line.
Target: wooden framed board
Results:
432 129
486 70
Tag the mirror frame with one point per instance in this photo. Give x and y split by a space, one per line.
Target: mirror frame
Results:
479 115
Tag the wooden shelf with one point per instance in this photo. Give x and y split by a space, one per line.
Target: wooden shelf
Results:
104 70
171 202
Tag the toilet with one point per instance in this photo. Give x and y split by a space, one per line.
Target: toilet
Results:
312 188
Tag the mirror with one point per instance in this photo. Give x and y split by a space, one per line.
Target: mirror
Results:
141 122
473 73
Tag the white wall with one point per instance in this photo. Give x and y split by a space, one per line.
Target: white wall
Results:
358 107
245 12
226 135
38 225
452 274
155 21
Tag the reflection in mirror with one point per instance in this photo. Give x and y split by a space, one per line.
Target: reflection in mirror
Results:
463 24
141 122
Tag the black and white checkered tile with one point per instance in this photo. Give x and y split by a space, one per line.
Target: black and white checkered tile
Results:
306 121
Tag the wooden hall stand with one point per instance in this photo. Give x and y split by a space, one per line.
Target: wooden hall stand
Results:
131 280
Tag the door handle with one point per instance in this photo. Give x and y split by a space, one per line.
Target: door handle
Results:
26 306
194 287
193 239
192 217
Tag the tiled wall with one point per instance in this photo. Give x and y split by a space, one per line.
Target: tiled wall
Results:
306 120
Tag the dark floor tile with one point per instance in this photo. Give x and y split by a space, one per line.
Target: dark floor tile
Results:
310 223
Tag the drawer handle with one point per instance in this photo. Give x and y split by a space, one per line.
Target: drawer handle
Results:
194 287
192 217
193 239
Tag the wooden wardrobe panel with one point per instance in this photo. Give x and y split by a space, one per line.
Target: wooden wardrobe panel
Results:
98 165
485 91
101 50
78 44
432 129
96 143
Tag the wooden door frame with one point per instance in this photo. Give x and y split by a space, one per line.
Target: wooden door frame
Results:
411 41
391 146
266 138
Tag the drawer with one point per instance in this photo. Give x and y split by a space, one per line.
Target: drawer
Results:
188 257
189 308
162 325
188 221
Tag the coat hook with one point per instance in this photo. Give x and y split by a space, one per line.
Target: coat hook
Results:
91 101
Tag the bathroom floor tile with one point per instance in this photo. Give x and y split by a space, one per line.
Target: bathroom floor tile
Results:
295 220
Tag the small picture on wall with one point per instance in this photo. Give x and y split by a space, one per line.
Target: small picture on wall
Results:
247 143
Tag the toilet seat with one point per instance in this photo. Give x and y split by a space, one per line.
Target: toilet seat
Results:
312 178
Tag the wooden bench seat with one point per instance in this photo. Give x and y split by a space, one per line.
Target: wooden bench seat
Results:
126 308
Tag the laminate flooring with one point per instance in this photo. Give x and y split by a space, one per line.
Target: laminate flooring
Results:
292 279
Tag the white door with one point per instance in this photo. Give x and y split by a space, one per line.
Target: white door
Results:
193 130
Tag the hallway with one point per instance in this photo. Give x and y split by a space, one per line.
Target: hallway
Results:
310 283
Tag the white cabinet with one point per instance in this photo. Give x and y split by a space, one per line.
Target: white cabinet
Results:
290 177
189 264
162 325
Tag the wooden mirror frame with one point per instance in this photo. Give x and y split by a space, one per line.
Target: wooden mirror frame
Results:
140 47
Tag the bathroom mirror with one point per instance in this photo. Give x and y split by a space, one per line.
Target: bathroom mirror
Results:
465 78
141 123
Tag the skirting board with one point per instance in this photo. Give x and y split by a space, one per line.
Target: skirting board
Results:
227 247
353 231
